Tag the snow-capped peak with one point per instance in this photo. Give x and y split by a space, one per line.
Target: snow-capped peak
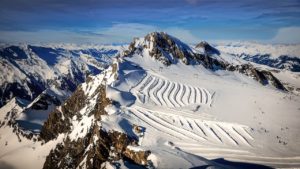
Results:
162 47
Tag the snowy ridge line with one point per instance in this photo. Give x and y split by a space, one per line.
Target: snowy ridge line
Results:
196 124
227 135
174 113
215 134
194 148
241 136
150 123
247 133
181 131
157 125
162 82
147 84
153 91
183 91
172 94
169 94
178 93
160 93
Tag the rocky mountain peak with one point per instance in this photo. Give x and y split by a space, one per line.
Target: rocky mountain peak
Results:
162 47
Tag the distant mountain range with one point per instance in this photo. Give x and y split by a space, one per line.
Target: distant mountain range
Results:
27 70
278 56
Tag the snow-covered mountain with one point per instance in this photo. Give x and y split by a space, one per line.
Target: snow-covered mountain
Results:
36 79
27 70
165 104
274 55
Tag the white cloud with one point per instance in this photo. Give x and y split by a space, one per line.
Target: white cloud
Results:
125 32
117 33
45 36
287 35
183 34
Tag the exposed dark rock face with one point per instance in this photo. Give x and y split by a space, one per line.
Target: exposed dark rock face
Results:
209 62
60 121
94 149
282 62
96 146
101 103
138 157
164 48
44 101
208 49
55 125
69 154
273 80
262 76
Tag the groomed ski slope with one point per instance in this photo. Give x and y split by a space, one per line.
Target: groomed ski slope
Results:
171 94
213 114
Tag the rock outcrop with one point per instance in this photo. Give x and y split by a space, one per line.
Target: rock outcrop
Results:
163 47
85 143
262 76
93 150
59 121
207 48
169 50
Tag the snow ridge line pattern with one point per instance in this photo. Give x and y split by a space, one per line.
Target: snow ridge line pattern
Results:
203 132
171 94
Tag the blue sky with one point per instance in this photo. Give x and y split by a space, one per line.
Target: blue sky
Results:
118 21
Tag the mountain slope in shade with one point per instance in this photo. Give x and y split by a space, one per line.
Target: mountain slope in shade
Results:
27 70
27 118
164 104
279 56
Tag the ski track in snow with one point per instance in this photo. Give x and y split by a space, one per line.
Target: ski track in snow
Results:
171 94
207 138
203 132
193 133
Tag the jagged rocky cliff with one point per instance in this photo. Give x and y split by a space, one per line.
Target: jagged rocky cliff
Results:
86 144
